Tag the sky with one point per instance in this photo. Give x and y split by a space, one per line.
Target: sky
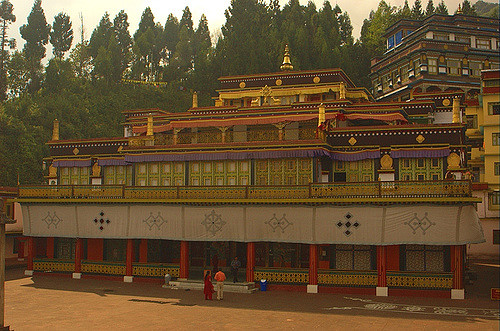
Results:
93 10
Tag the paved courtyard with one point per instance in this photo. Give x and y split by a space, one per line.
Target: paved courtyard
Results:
58 303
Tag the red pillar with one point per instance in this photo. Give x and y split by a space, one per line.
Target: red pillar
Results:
143 251
78 255
313 264
50 247
130 257
250 261
20 249
184 263
31 252
382 266
458 279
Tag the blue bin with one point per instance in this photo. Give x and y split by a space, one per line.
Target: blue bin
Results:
263 285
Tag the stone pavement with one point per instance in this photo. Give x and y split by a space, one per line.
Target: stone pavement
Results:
59 303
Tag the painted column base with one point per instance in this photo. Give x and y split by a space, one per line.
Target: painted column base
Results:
77 275
28 272
458 294
382 291
128 279
312 288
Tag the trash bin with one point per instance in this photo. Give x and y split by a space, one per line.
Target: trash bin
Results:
263 285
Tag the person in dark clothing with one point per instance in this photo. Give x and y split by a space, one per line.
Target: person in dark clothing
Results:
235 265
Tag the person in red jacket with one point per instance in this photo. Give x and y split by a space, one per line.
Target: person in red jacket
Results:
220 277
208 287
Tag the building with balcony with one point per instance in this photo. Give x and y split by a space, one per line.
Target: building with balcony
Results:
436 58
301 174
483 132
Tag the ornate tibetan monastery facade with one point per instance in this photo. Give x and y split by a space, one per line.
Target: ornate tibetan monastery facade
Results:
301 174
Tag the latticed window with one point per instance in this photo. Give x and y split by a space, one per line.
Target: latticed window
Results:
475 68
353 257
494 108
421 169
441 36
121 175
494 198
463 39
355 171
74 175
283 171
424 258
159 174
497 168
471 121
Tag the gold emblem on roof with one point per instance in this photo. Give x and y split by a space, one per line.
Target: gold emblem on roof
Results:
352 141
420 139
316 80
242 85
76 151
278 82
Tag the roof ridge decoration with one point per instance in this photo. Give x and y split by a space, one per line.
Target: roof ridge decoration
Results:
287 64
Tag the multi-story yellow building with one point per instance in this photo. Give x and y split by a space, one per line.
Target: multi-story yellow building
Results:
483 131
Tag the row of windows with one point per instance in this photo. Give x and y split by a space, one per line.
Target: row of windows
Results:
481 43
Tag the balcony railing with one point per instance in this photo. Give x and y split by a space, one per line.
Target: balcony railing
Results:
337 190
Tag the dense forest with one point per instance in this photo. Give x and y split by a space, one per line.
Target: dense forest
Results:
87 83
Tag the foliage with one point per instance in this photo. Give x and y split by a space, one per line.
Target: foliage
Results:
36 34
61 36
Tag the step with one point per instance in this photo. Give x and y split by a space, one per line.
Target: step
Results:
198 285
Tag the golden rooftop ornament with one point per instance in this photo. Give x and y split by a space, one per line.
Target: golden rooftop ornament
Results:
287 64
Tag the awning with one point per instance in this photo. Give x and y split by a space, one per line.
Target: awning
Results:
112 162
419 152
72 163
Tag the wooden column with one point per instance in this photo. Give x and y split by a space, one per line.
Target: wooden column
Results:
458 277
78 255
20 250
250 261
50 247
313 264
184 263
130 257
31 252
382 266
143 251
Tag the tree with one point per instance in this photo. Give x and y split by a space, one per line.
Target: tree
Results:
81 60
405 12
416 11
468 9
17 74
123 40
61 36
171 35
36 34
441 8
100 36
6 17
429 10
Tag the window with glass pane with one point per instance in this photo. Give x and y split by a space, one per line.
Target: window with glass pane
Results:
475 68
495 139
471 121
432 66
453 67
494 108
483 43
497 168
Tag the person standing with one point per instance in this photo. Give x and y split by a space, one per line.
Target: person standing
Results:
235 265
208 287
220 277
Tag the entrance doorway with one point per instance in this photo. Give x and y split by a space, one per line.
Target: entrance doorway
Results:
213 255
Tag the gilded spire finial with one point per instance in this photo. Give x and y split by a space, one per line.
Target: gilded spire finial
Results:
149 128
55 130
459 10
195 100
287 64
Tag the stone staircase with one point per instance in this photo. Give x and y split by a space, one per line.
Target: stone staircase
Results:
193 284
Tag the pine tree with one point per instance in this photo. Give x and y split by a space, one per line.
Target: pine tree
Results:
441 8
171 35
6 17
100 36
405 12
416 11
430 8
123 40
468 9
36 34
61 36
